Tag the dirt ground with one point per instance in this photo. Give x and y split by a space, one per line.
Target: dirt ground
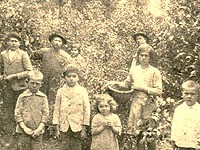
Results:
52 144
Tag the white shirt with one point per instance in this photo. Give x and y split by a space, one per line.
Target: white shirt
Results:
186 126
72 108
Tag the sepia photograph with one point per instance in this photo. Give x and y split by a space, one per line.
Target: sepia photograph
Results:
99 74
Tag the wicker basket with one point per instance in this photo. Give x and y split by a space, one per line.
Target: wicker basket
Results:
120 94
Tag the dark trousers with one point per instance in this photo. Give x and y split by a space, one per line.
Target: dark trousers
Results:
9 102
141 146
26 142
150 146
70 140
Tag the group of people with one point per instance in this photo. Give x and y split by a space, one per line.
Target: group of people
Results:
28 107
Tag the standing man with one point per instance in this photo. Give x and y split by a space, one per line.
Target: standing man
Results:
141 38
15 66
53 61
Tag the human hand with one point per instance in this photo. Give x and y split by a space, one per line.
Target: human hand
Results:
58 134
108 124
83 134
37 132
28 130
173 144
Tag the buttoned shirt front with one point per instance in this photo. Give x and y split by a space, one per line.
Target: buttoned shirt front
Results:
32 109
72 108
186 125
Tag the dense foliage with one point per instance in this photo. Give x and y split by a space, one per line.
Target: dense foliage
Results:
103 28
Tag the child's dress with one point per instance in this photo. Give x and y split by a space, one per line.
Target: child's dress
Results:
107 139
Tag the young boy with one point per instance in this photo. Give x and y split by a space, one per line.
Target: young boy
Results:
71 111
185 130
31 114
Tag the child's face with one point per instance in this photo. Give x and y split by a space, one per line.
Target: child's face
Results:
104 108
13 43
144 58
34 85
190 95
71 79
74 51
140 40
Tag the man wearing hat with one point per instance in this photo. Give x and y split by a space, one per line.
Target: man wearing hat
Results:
53 61
141 38
15 66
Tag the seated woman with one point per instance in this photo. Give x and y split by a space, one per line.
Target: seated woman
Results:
146 81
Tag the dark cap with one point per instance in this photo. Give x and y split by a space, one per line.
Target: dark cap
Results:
13 35
141 34
57 35
71 68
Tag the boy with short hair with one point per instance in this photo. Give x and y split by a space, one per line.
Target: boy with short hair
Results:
71 111
31 114
185 132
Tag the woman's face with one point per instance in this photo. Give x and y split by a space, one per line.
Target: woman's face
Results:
144 58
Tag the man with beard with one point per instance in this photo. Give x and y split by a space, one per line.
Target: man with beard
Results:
53 61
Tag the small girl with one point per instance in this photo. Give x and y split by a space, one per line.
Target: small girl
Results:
105 125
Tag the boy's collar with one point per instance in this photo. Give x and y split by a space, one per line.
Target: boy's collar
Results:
28 93
67 87
14 50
